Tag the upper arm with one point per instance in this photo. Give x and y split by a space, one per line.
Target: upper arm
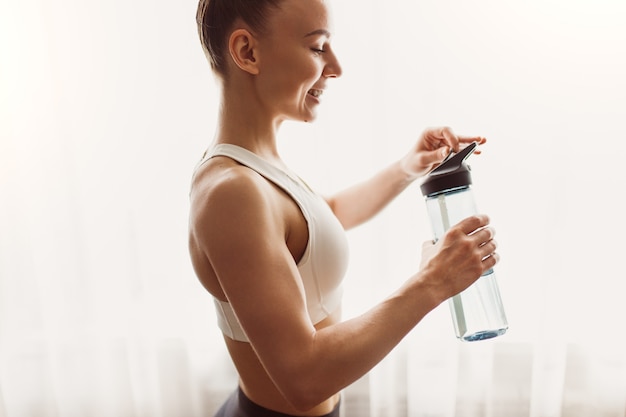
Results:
241 228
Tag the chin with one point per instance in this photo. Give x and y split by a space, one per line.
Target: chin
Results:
304 114
309 118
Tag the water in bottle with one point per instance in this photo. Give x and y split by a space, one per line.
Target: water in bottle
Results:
477 312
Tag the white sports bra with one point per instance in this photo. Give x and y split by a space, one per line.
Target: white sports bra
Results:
325 260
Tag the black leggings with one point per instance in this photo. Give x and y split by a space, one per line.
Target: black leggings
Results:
238 405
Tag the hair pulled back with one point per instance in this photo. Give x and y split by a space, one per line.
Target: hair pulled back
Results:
215 19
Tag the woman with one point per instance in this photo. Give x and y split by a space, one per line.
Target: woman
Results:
271 251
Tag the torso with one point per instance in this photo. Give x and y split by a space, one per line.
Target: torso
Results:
254 380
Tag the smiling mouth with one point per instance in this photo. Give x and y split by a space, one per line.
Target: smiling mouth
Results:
315 93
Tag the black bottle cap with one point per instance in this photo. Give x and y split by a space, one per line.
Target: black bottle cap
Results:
452 173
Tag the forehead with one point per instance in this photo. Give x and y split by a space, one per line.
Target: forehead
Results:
301 16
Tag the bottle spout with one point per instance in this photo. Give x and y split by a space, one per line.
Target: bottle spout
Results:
454 160
452 173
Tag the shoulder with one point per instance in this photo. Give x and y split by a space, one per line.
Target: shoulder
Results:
223 177
227 197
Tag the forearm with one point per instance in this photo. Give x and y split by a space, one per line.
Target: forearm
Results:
359 203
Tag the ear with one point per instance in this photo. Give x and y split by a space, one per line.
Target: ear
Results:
242 46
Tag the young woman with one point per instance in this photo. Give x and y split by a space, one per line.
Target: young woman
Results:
270 250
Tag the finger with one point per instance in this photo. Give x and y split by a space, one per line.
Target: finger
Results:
471 139
450 138
490 261
488 248
484 234
473 223
434 138
465 141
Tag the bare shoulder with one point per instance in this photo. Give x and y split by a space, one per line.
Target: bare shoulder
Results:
221 179
230 200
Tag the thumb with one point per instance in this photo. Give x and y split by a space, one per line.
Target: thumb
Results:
428 252
421 162
435 157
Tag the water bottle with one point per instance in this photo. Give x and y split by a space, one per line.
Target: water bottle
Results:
477 312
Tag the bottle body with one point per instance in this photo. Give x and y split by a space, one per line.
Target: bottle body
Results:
477 312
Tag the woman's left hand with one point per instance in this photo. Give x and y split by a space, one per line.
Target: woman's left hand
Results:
432 147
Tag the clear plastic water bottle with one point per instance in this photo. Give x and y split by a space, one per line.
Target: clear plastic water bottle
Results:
477 312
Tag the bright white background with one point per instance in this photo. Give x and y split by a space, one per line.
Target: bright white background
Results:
105 107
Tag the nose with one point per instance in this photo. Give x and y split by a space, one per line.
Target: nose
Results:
333 67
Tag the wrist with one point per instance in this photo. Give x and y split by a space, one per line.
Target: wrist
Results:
405 172
418 296
424 284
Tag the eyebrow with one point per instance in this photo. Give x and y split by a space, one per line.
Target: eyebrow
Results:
323 32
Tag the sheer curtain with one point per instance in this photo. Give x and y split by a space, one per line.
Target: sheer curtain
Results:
106 107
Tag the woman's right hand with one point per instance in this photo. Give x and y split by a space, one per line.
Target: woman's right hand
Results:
459 258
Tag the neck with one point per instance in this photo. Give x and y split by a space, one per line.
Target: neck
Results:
242 121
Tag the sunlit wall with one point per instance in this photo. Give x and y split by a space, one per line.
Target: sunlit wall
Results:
105 107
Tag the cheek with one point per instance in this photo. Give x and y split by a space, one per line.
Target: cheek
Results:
312 68
303 66
291 71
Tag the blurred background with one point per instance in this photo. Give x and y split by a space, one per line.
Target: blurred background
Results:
105 108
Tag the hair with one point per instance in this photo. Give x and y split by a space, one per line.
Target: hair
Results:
215 19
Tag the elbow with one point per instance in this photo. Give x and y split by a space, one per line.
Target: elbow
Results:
305 394
303 379
305 399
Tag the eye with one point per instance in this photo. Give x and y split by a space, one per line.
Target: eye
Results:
318 51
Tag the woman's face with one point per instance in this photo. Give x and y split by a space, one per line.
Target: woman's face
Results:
296 59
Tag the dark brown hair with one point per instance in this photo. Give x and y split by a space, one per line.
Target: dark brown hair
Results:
215 20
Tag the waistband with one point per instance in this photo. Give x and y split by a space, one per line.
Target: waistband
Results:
252 409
